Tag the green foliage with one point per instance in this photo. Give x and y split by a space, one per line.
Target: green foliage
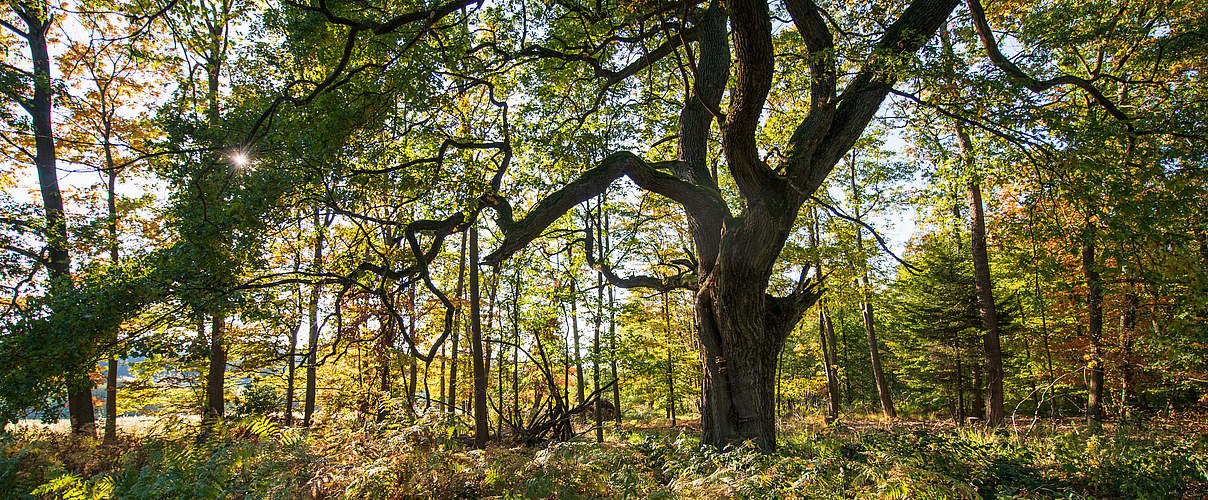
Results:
258 398
71 487
59 337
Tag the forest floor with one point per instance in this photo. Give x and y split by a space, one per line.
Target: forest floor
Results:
858 458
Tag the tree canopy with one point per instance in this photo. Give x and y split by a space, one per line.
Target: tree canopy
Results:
545 215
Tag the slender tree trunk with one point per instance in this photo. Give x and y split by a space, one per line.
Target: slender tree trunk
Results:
595 341
481 428
574 327
412 372
832 343
1128 334
866 311
847 369
875 355
566 359
826 331
1040 307
960 389
291 366
516 290
312 345
670 365
612 345
826 334
492 307
1094 313
606 242
501 375
461 268
995 411
979 402
444 359
779 383
114 250
291 362
216 377
385 345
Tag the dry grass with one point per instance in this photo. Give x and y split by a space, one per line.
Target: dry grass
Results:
134 426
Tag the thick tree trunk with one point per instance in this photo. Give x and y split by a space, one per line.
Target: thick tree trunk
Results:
740 370
216 377
741 327
481 427
742 330
38 24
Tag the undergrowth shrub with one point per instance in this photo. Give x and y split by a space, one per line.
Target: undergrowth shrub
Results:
420 458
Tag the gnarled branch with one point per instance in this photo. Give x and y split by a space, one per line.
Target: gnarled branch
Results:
996 56
652 282
698 201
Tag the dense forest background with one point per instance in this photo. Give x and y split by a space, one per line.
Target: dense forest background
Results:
537 222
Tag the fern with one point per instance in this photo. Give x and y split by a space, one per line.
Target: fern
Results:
72 487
